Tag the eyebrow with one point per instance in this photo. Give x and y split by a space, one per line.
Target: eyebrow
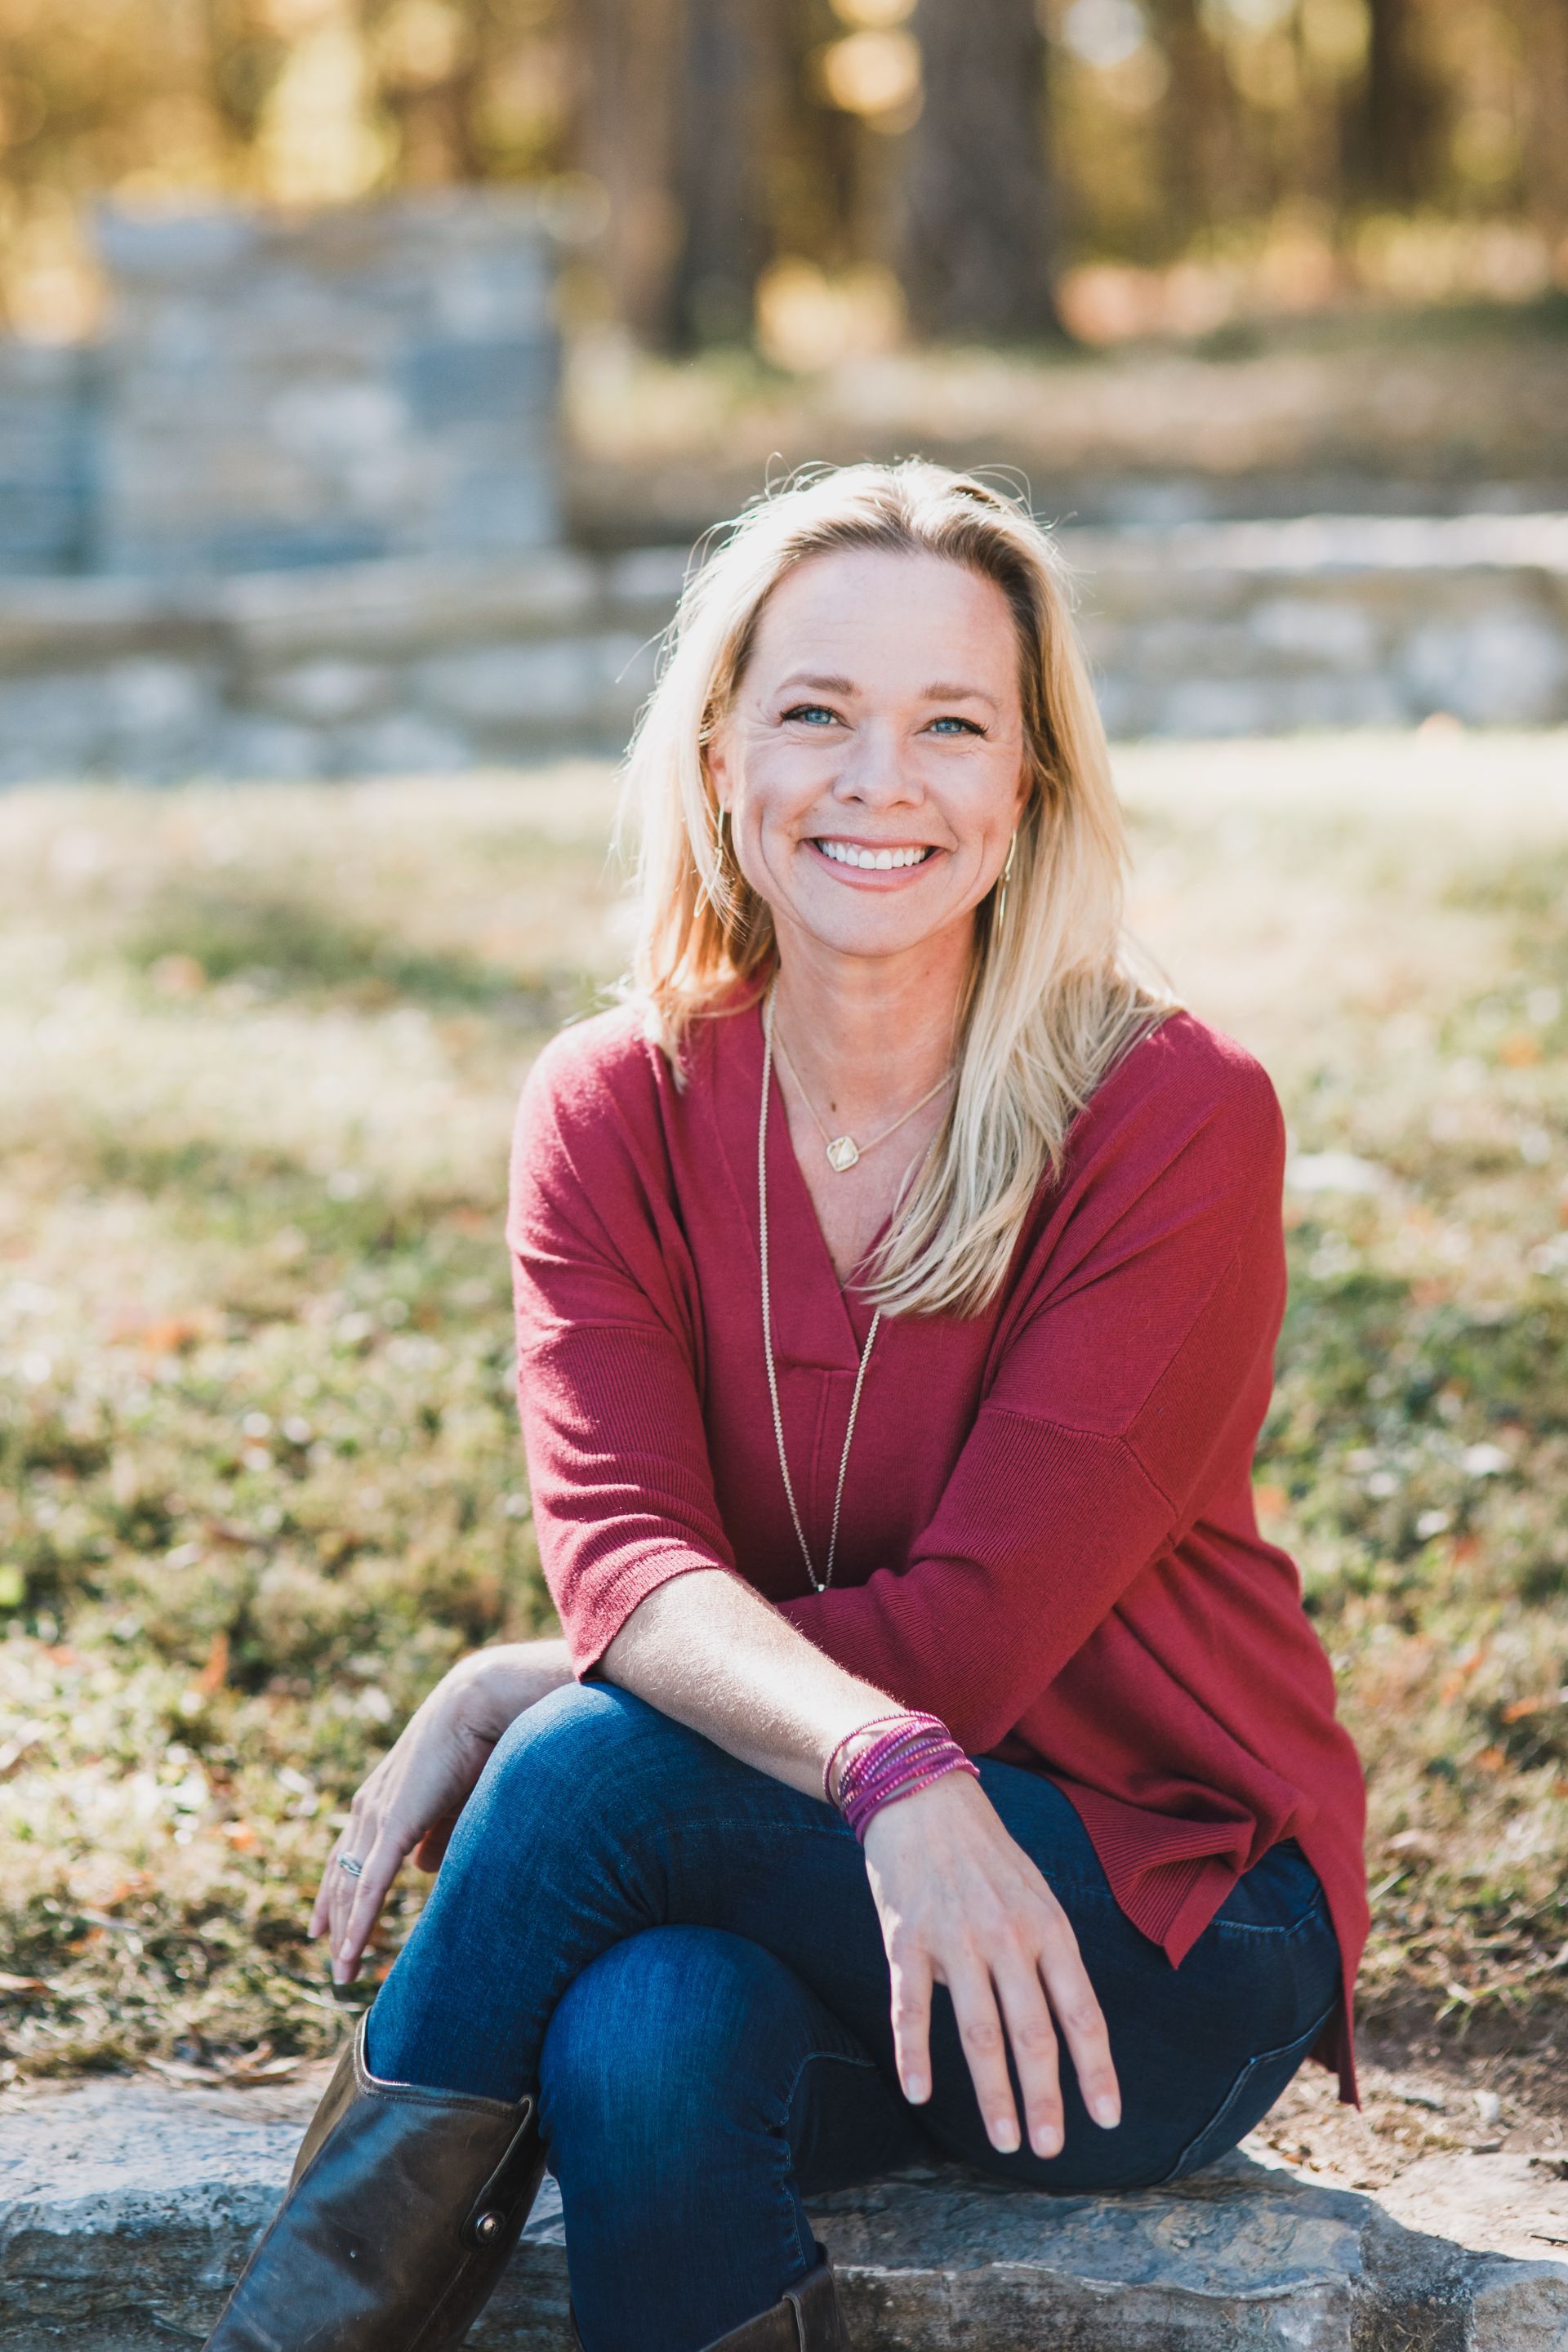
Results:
818 685
941 690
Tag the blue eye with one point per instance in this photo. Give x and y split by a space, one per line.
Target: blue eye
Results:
811 713
965 726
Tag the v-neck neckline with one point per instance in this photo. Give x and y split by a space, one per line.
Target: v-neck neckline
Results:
838 1326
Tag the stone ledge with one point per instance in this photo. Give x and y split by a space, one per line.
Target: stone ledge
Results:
127 2206
432 665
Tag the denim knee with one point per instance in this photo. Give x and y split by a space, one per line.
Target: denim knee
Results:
561 1770
666 2082
653 2048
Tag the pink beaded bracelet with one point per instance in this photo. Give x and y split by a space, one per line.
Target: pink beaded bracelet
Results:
912 1751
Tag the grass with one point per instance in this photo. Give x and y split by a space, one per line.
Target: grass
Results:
1405 402
259 1479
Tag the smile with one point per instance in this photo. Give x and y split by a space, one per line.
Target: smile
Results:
849 853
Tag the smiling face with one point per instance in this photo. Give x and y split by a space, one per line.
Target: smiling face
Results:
873 759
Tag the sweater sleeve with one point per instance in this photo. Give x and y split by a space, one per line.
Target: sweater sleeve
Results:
607 1369
1140 1372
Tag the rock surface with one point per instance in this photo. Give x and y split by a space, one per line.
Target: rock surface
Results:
127 2206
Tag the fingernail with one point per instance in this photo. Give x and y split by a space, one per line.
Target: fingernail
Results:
1107 2113
1047 2141
1004 2136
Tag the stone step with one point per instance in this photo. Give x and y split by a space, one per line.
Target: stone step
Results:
431 665
127 2207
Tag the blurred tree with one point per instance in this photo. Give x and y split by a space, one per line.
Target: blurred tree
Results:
978 248
730 68
832 133
677 96
1544 112
1196 127
626 53
1391 147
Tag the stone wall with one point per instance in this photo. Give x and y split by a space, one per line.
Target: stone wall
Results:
46 458
127 2208
434 664
367 383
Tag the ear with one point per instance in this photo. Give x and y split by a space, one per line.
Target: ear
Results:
716 758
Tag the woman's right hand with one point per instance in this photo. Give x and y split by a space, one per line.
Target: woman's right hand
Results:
962 1904
411 1801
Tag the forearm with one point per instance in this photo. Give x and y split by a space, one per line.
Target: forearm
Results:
707 1651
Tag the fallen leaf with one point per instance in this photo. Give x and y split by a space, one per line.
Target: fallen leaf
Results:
271 2070
178 974
175 2070
20 1745
240 1835
215 1673
23 1988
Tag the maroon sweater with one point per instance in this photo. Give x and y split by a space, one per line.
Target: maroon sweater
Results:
1048 1535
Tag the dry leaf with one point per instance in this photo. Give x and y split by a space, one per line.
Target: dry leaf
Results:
19 1746
175 2070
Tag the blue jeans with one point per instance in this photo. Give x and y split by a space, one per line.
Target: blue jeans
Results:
682 1956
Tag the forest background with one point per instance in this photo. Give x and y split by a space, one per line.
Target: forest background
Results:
1101 167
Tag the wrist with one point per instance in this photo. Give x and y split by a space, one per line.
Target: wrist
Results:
492 1687
888 1759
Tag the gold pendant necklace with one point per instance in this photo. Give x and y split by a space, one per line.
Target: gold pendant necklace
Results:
818 1583
842 1150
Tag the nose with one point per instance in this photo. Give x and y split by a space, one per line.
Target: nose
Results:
876 770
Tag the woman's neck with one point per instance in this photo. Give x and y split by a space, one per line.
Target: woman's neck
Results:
869 1035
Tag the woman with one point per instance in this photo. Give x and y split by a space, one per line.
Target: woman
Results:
897 1282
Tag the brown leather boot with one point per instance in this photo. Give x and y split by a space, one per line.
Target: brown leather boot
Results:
808 2320
402 2208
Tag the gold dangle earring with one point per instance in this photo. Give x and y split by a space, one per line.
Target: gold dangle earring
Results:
1001 887
728 895
717 887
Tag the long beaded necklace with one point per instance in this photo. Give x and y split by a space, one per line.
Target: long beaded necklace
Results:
818 1583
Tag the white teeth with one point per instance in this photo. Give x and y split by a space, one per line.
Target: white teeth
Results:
845 852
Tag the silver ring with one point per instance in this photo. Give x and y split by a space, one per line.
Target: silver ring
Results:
346 1861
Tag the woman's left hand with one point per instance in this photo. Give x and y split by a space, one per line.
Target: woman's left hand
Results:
410 1802
962 1904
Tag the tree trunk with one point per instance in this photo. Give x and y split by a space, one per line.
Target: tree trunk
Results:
720 164
1393 137
675 122
979 232
1199 163
1546 116
626 133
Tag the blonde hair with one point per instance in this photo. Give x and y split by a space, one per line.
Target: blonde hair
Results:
1053 998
